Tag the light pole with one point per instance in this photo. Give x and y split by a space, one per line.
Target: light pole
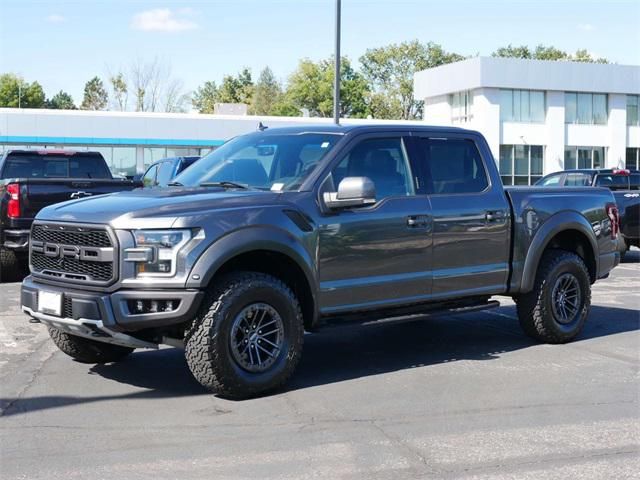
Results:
336 72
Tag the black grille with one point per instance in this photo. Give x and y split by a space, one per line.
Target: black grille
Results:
67 308
89 238
68 268
100 271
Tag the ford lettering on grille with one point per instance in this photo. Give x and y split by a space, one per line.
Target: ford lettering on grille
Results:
73 253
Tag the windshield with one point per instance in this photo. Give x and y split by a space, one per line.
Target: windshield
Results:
258 160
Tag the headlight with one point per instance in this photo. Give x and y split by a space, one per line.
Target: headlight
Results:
156 251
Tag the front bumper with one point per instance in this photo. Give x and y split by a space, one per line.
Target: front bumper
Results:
109 312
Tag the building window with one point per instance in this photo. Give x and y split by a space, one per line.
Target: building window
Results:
461 106
522 106
124 161
632 161
153 154
633 102
584 157
585 108
521 164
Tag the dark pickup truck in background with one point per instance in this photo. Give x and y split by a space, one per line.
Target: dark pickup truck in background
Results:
625 186
33 179
286 230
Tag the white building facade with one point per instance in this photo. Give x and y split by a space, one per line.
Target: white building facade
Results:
539 116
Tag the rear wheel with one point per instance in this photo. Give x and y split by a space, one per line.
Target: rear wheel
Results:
556 309
85 350
247 337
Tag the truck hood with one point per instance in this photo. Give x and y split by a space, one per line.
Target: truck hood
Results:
155 208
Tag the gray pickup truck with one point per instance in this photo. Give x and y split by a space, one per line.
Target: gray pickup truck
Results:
286 230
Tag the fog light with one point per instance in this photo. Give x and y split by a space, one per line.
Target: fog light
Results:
138 307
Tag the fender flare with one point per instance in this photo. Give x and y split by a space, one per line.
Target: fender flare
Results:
250 239
558 223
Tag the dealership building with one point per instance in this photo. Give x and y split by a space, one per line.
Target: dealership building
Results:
538 117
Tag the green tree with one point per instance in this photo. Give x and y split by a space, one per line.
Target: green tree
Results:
120 91
266 94
95 95
311 87
205 97
390 69
513 52
61 101
236 89
543 52
16 93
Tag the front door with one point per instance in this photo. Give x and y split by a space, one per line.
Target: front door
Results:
377 255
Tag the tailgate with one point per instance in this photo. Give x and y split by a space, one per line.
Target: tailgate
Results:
37 194
628 202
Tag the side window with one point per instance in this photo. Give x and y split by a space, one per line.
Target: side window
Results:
149 179
165 173
384 161
552 181
577 180
452 166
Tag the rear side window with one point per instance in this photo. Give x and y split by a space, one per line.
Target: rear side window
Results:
552 181
577 180
612 181
452 166
34 165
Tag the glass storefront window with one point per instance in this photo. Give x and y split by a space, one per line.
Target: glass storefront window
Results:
584 157
632 160
153 154
521 164
461 106
182 152
124 161
599 109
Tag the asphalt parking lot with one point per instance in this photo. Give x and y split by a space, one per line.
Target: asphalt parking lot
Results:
462 396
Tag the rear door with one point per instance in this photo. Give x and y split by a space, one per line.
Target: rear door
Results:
471 217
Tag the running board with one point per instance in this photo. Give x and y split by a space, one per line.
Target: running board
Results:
406 314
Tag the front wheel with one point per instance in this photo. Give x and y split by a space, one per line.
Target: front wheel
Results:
556 309
85 350
247 337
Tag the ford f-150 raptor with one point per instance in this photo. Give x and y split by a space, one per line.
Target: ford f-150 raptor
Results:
286 230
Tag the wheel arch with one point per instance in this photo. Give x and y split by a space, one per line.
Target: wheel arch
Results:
266 250
567 231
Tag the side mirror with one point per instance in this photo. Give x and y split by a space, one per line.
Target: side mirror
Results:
352 192
137 178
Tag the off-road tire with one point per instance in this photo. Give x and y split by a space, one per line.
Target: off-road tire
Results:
85 350
534 309
208 340
10 266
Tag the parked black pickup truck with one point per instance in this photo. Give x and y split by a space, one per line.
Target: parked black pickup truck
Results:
286 230
33 179
625 185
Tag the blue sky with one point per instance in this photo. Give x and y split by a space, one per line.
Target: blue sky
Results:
64 43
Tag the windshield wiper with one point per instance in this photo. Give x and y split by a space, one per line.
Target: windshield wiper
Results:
225 184
175 184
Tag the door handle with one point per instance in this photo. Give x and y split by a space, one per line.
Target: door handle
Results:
417 221
494 215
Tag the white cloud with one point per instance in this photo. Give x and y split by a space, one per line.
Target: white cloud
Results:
55 18
162 20
586 27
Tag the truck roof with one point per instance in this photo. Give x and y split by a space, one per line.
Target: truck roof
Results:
344 129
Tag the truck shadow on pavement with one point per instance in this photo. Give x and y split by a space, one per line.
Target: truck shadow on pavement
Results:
342 354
